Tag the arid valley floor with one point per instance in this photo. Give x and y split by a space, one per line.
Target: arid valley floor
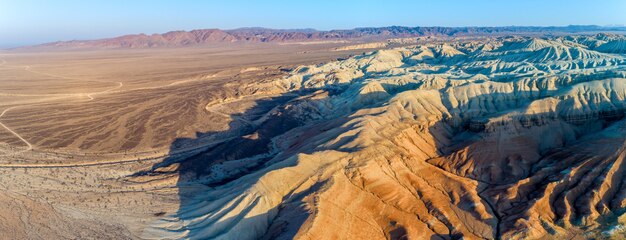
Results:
76 124
492 137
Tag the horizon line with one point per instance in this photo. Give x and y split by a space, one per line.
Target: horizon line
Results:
17 45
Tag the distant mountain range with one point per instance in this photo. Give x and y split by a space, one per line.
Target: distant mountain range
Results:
253 35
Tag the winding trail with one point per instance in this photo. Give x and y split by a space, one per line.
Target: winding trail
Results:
187 150
28 68
236 118
91 96
88 95
30 146
172 83
212 109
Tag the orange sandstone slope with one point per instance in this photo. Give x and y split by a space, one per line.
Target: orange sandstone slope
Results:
505 138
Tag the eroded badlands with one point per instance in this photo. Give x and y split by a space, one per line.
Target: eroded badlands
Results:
498 138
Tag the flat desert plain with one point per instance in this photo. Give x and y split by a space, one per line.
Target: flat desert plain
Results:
75 124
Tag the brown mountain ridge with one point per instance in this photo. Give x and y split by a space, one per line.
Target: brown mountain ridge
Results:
255 35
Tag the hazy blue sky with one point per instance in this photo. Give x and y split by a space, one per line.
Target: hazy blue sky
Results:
36 21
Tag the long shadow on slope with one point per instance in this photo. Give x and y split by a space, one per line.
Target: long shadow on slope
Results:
247 150
490 188
251 152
